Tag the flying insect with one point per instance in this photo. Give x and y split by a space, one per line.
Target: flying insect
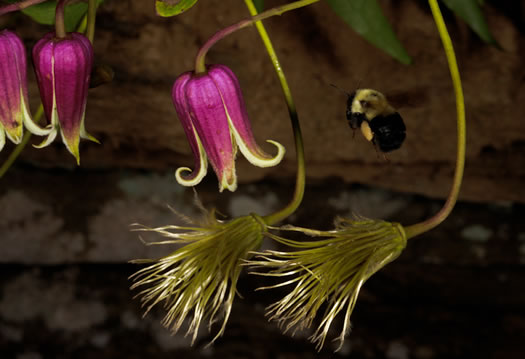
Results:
369 111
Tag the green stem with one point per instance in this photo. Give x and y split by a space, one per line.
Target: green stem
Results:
91 16
299 148
60 27
417 229
18 149
200 65
18 6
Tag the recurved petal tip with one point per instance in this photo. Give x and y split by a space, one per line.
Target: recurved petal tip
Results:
85 135
188 178
201 167
238 120
15 133
50 137
257 157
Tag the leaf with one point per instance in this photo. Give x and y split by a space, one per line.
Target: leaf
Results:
367 19
167 8
259 5
470 12
44 13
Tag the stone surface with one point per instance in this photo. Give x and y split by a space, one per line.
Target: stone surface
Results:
135 120
64 291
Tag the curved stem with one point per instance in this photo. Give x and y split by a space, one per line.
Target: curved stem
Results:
60 27
18 149
416 229
299 148
19 6
91 17
200 65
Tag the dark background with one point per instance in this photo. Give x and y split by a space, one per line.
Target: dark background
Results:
455 292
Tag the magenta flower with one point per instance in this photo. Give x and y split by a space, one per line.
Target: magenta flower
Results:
63 67
213 115
14 106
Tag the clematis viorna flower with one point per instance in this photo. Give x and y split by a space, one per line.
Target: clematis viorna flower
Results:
63 68
328 270
198 280
213 115
14 106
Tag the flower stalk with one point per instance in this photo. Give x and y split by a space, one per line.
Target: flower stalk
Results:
419 228
200 65
294 118
91 19
60 27
331 269
21 5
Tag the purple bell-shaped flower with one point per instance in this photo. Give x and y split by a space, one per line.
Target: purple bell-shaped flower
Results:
63 68
213 114
14 106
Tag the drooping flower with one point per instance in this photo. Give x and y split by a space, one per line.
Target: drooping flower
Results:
213 115
63 68
329 270
198 280
14 105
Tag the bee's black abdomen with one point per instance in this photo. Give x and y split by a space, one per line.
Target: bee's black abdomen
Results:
389 131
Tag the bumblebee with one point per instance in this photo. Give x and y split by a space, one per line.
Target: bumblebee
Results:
369 111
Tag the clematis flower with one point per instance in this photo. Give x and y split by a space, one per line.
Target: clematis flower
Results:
198 280
328 270
14 106
63 68
213 115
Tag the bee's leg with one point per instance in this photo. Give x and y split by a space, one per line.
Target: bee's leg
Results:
378 152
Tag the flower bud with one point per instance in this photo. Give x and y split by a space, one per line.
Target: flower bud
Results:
213 115
63 69
14 106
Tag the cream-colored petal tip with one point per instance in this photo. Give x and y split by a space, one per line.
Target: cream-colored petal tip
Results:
193 180
2 137
224 184
52 135
35 129
260 161
87 136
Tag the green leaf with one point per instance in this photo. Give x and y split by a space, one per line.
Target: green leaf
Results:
367 19
259 5
470 12
44 13
167 8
